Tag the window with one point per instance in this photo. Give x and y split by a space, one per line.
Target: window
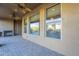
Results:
53 22
25 25
35 24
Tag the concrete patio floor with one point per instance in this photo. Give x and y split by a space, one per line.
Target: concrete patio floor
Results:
16 46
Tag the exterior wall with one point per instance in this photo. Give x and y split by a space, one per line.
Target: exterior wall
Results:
69 44
6 25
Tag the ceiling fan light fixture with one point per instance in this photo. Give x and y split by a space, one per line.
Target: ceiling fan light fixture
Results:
15 10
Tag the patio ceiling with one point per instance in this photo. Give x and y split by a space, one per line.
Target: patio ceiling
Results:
16 10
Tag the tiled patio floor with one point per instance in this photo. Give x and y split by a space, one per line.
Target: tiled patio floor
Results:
16 46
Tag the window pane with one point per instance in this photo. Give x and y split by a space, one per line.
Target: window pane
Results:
25 26
35 24
53 22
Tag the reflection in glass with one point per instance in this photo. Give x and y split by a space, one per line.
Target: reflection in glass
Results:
53 28
35 24
53 22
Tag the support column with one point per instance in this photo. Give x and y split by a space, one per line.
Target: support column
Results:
42 22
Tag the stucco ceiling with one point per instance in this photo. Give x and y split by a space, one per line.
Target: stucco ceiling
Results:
16 10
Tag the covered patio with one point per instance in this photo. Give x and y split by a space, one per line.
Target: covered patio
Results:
17 46
39 29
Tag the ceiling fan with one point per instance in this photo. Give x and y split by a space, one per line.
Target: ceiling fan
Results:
15 17
23 8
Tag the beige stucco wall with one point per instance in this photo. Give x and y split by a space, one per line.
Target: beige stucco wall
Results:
6 25
69 44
